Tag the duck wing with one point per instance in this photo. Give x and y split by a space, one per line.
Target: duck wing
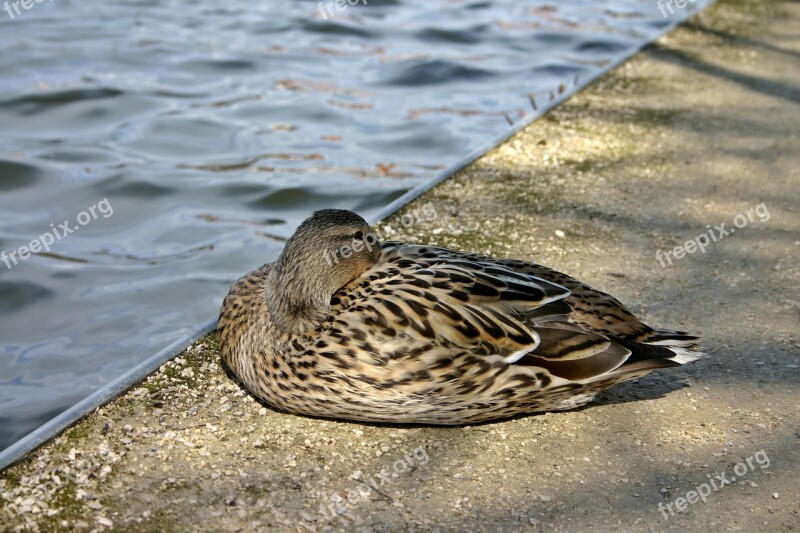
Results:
422 300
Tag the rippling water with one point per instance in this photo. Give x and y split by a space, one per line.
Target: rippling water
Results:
211 129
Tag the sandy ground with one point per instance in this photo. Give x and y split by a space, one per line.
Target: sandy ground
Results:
700 128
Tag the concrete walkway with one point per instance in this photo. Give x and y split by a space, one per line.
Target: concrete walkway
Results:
621 186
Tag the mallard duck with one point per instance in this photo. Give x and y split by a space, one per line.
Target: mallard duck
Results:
343 326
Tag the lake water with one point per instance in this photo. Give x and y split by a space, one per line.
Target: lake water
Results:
186 139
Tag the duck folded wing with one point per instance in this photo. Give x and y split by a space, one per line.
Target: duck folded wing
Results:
482 306
574 354
465 278
584 305
419 296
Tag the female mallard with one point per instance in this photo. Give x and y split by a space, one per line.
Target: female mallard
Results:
342 326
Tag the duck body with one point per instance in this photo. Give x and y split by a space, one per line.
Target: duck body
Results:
427 335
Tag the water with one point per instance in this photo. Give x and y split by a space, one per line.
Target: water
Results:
186 139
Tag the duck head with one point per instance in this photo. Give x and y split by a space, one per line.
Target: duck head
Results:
327 251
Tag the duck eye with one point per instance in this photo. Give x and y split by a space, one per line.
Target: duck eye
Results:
358 235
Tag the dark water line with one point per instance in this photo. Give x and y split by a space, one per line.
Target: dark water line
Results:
101 397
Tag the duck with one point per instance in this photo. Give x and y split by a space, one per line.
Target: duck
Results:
344 326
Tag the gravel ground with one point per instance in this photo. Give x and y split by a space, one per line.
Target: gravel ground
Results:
701 127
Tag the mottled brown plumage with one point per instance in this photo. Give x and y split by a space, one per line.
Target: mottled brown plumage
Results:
343 327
